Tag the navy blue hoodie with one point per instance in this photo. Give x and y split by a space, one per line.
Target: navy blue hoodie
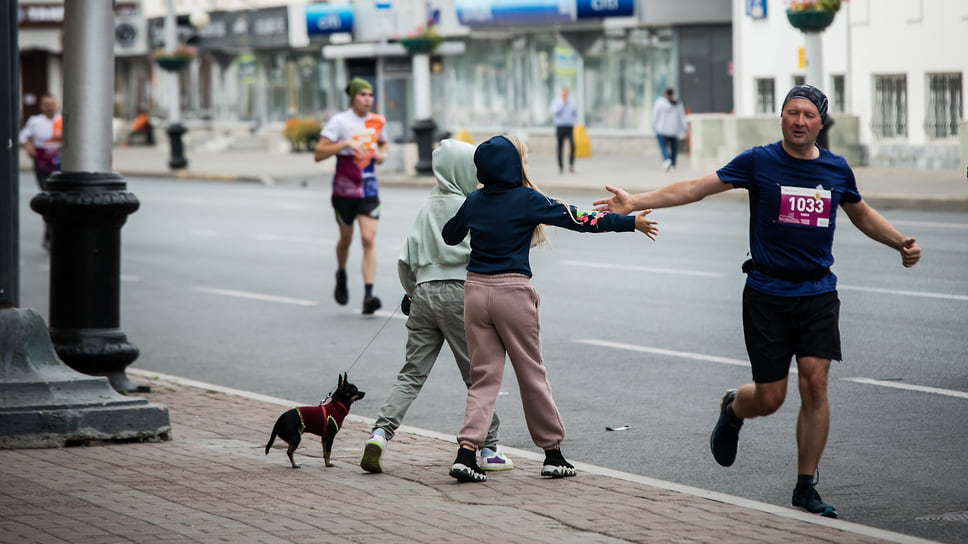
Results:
502 215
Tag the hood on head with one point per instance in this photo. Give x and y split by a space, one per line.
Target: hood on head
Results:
453 165
498 163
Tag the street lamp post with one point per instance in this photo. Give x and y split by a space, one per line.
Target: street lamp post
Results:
423 125
175 130
45 403
85 206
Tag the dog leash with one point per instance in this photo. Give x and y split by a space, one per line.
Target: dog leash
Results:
366 347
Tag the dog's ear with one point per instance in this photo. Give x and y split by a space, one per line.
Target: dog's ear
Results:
342 379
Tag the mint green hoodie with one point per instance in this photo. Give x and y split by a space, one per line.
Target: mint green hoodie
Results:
425 257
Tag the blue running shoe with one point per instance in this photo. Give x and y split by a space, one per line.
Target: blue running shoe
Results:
806 497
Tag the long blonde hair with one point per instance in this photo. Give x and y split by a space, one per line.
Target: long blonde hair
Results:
539 237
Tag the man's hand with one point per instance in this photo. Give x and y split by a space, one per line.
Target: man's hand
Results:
910 253
645 225
620 203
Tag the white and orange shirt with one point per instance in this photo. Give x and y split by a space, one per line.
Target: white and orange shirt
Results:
45 135
354 176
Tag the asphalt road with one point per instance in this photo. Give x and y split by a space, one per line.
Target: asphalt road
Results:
232 283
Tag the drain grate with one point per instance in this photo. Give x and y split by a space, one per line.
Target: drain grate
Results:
949 516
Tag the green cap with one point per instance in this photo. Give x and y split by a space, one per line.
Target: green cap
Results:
356 85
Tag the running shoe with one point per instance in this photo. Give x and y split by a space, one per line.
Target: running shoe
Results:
555 465
373 452
371 304
341 294
806 497
465 467
495 459
725 434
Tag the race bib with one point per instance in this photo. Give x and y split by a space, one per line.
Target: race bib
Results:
803 206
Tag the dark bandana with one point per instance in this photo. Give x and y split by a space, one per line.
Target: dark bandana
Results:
811 93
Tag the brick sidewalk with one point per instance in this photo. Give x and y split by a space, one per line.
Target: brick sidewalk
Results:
213 483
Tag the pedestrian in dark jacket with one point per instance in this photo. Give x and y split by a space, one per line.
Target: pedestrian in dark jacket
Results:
505 219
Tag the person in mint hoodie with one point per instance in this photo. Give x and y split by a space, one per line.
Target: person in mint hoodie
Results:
505 219
432 274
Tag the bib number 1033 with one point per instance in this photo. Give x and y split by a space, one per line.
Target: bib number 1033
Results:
805 206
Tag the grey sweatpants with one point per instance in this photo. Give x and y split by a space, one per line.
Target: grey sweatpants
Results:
501 318
436 314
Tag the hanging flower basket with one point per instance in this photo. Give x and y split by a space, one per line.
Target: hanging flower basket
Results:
421 44
177 60
810 20
423 40
812 15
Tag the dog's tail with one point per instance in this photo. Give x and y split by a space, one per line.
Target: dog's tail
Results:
272 439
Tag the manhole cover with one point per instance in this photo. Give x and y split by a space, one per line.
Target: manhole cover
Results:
950 516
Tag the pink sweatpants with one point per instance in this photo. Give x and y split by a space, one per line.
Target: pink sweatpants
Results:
501 319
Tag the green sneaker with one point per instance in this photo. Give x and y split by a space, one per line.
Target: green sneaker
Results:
372 452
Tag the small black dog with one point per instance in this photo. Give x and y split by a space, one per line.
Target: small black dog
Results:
323 420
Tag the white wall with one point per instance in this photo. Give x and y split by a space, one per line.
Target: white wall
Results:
764 48
867 38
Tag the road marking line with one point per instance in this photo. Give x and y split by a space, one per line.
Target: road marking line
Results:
930 224
678 272
738 362
255 296
910 387
295 239
925 294
668 352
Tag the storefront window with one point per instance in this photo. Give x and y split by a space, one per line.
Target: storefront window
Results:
278 105
623 75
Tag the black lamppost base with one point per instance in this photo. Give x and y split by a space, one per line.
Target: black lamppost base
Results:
177 161
85 212
423 130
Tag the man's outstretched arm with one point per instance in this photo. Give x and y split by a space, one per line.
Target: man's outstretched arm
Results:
675 194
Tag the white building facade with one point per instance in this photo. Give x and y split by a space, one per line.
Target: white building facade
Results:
898 65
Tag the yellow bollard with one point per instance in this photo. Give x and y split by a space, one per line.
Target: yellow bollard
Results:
464 136
583 146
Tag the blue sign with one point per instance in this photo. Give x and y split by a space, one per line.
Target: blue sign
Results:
597 9
329 18
756 9
514 12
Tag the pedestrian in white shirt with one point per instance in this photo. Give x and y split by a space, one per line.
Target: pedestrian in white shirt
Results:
669 124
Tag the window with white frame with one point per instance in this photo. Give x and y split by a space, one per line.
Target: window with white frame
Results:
799 80
838 94
944 108
765 95
889 110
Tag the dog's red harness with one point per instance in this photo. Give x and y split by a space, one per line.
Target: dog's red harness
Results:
314 419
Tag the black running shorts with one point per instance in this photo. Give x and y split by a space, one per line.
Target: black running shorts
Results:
778 328
348 208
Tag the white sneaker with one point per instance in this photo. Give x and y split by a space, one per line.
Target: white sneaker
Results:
495 460
667 165
372 452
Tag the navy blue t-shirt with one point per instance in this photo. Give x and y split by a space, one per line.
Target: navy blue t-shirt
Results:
793 213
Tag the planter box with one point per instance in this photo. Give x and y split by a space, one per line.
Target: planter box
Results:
810 20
